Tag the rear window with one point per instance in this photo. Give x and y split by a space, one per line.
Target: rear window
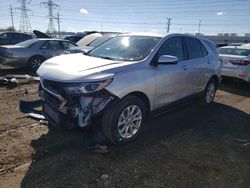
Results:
234 51
27 43
211 45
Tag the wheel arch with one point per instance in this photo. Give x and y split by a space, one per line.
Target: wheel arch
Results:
215 77
37 55
143 97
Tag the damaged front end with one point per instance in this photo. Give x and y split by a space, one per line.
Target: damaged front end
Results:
68 105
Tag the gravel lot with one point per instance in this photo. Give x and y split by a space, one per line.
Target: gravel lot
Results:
195 146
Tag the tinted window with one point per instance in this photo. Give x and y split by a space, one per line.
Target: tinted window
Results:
52 45
204 50
194 48
26 37
3 36
127 48
234 51
174 47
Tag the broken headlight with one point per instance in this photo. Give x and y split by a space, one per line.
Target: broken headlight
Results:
84 88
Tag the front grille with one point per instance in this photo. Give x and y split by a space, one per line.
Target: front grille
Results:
55 87
51 100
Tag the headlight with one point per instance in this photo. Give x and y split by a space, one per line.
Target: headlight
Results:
84 88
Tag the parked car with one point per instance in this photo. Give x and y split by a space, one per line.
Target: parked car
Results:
127 78
236 62
73 38
33 52
10 37
88 39
91 46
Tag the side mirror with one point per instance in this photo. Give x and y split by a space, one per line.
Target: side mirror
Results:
167 59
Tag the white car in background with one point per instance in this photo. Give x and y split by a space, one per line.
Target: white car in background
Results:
236 61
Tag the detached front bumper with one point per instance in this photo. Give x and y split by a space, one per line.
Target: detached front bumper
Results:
70 111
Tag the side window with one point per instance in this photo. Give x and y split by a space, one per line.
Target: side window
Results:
17 37
172 46
67 45
26 37
52 45
10 37
3 36
204 50
194 48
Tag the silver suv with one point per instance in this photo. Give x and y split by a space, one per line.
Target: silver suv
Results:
126 79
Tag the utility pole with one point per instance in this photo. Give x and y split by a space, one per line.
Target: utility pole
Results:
58 23
51 6
199 27
168 24
24 21
11 15
101 26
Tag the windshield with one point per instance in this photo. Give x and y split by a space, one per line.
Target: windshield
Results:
127 48
234 51
27 43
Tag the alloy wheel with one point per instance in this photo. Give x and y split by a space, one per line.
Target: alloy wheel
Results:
129 121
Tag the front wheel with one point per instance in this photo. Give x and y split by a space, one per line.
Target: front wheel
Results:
35 62
209 92
123 121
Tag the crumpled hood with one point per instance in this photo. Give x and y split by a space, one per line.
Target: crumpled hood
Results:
79 68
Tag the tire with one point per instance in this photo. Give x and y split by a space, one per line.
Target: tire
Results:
35 62
209 92
130 113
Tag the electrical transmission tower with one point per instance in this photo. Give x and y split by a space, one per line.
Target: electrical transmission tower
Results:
168 24
51 6
12 20
24 21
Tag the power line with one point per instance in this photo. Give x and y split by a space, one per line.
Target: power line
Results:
51 6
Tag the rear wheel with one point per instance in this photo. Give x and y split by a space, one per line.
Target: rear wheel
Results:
209 92
123 122
35 62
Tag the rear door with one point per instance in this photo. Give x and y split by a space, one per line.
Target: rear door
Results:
197 64
51 48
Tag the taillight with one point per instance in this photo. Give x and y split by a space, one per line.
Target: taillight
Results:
7 54
241 62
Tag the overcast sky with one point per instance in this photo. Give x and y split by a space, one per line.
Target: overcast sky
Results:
215 16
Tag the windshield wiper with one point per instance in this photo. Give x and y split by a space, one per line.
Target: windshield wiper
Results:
104 57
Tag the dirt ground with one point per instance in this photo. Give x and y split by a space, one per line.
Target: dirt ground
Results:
194 146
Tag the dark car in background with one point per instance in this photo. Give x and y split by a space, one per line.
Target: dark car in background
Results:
73 38
76 38
10 37
33 52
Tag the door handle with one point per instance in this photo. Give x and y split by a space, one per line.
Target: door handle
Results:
184 67
208 61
